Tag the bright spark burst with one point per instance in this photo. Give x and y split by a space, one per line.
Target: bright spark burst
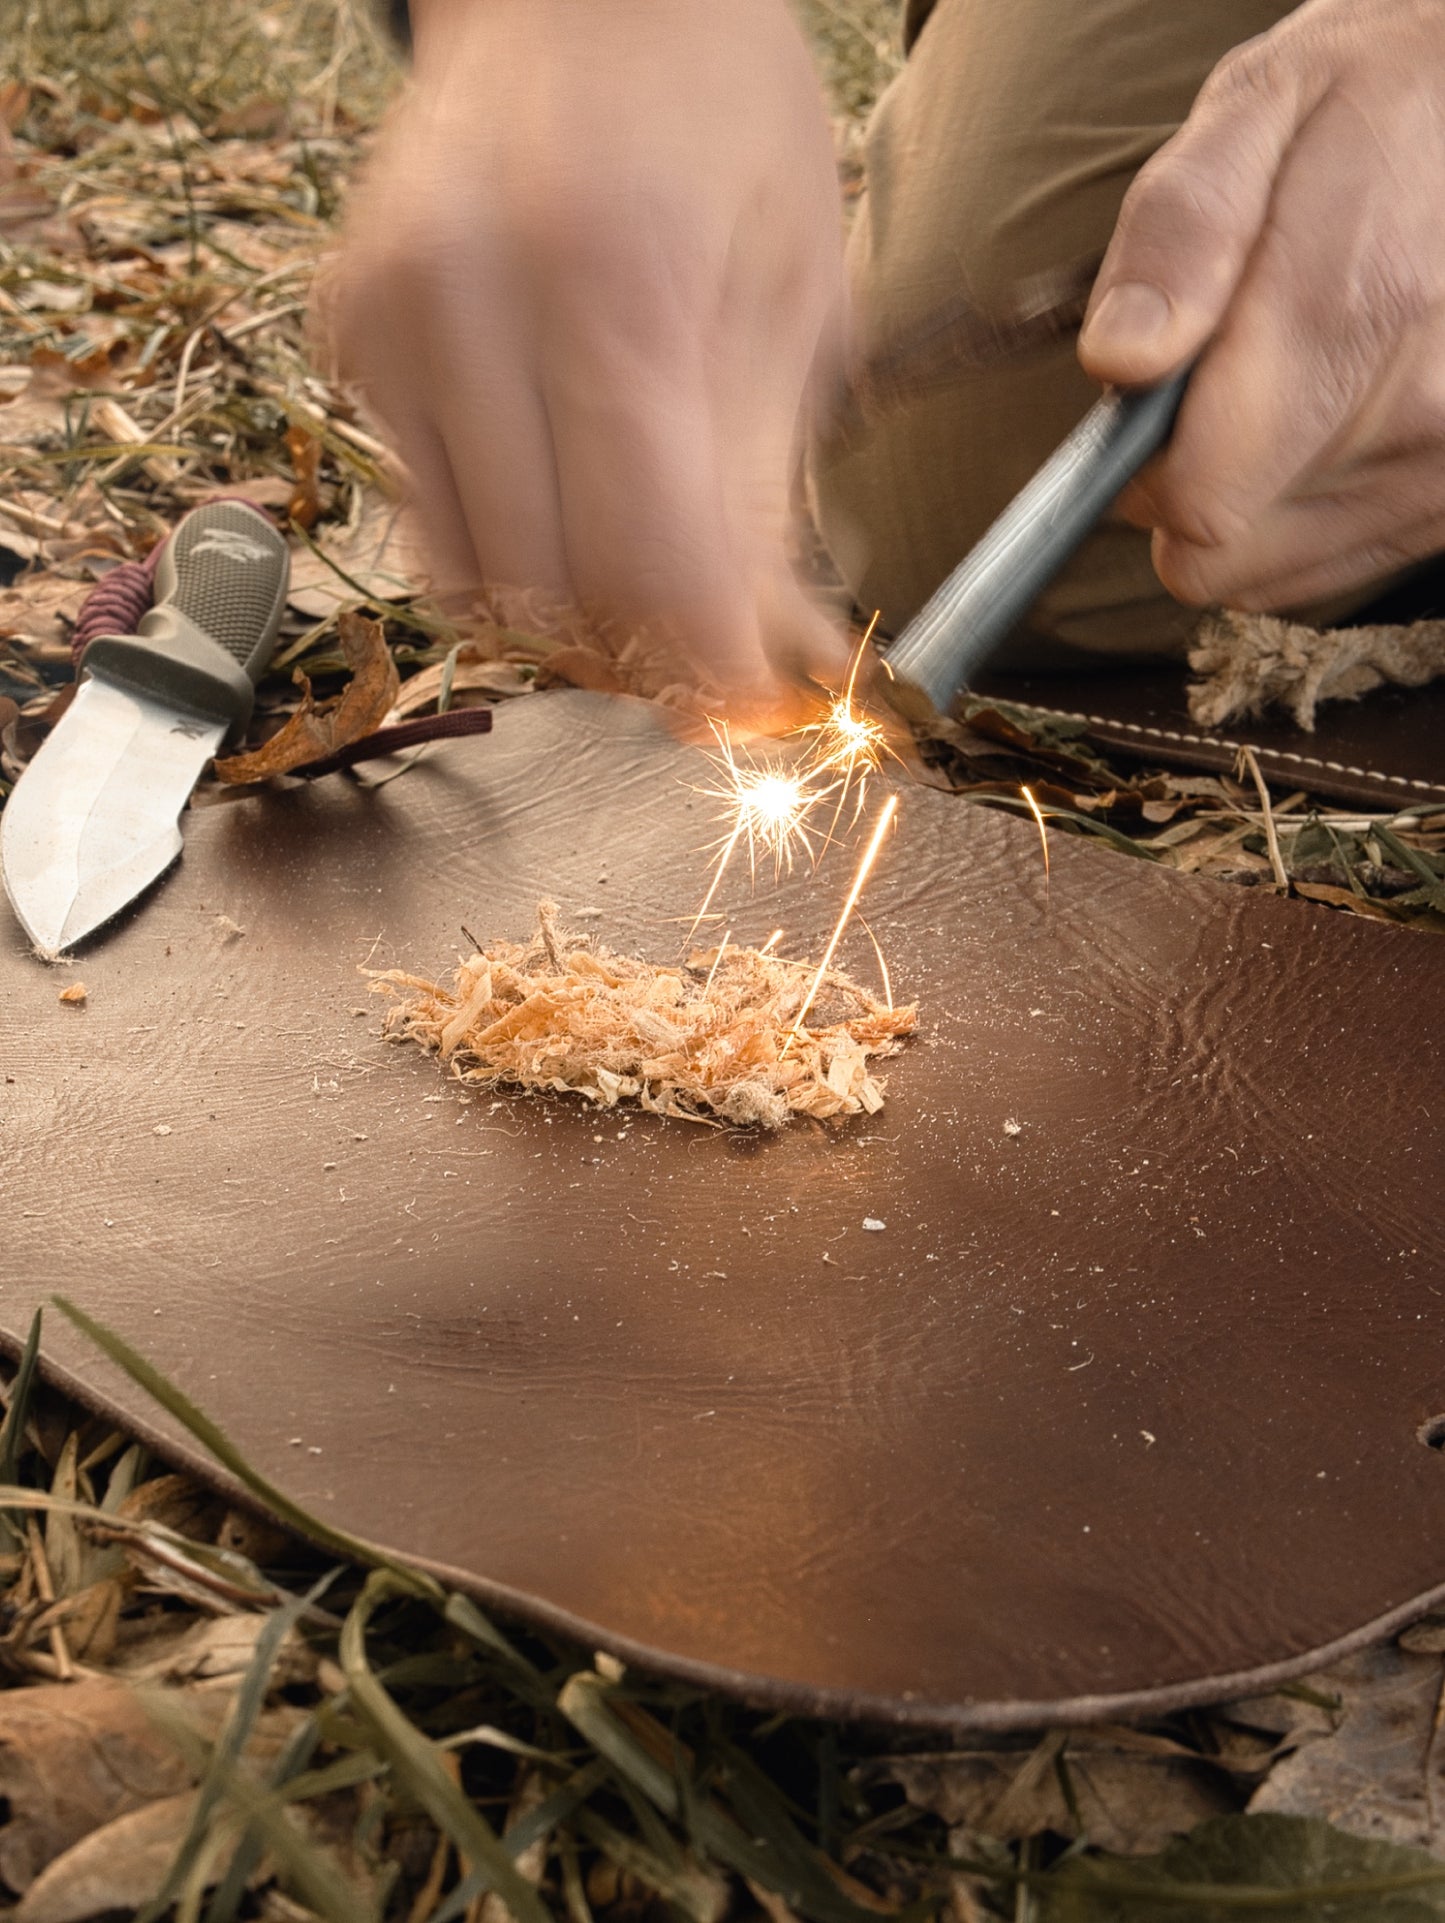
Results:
768 808
848 743
865 868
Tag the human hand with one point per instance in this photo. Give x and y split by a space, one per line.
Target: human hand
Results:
585 286
1294 224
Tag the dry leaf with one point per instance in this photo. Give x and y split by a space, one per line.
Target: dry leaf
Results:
1333 897
474 671
580 668
381 553
1377 1773
117 1867
304 502
55 373
214 1650
74 1756
1125 1790
319 728
73 996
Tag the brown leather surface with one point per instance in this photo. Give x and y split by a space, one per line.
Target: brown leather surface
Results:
1384 751
1120 1408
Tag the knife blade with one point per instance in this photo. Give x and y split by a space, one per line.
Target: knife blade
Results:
94 819
995 583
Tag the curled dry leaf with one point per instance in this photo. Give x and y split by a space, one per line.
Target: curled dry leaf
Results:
320 728
708 1040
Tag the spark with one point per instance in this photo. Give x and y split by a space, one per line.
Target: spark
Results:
769 808
847 741
1038 814
776 936
870 855
768 804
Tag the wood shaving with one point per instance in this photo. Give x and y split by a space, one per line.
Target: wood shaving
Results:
704 1040
74 996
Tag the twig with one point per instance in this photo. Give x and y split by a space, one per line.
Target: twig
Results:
1249 760
45 1589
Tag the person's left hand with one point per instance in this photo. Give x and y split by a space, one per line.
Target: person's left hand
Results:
1293 230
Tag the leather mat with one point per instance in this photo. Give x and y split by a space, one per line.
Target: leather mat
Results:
1120 1409
1384 751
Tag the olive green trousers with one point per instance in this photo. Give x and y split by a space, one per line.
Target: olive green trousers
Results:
1000 153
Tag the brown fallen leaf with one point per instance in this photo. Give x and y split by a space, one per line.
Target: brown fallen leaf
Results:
117 1867
381 554
320 728
74 996
1125 1790
43 611
580 668
56 373
216 1651
474 672
1345 898
304 502
1379 1772
74 1756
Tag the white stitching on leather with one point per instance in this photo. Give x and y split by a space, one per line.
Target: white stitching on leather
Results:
1233 747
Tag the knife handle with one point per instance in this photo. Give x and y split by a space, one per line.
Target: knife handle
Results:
994 585
221 586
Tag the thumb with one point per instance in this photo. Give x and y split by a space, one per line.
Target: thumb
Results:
1191 219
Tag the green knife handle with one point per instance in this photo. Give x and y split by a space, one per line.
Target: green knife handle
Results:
221 586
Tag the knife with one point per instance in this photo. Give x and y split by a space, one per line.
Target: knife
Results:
94 819
993 586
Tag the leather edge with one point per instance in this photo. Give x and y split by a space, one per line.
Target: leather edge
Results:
1183 748
775 1692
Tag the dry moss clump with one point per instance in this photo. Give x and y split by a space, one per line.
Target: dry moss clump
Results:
705 1040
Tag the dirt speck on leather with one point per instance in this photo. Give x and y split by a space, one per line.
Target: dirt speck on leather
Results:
709 1039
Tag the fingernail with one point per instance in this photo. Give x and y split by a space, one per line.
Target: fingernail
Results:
1131 318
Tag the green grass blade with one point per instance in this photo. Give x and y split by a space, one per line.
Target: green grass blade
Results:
231 1890
231 1744
526 1831
12 1429
584 1702
417 1762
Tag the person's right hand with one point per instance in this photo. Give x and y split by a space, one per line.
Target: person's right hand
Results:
1292 231
597 258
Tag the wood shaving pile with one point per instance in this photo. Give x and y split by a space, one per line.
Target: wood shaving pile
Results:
703 1040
